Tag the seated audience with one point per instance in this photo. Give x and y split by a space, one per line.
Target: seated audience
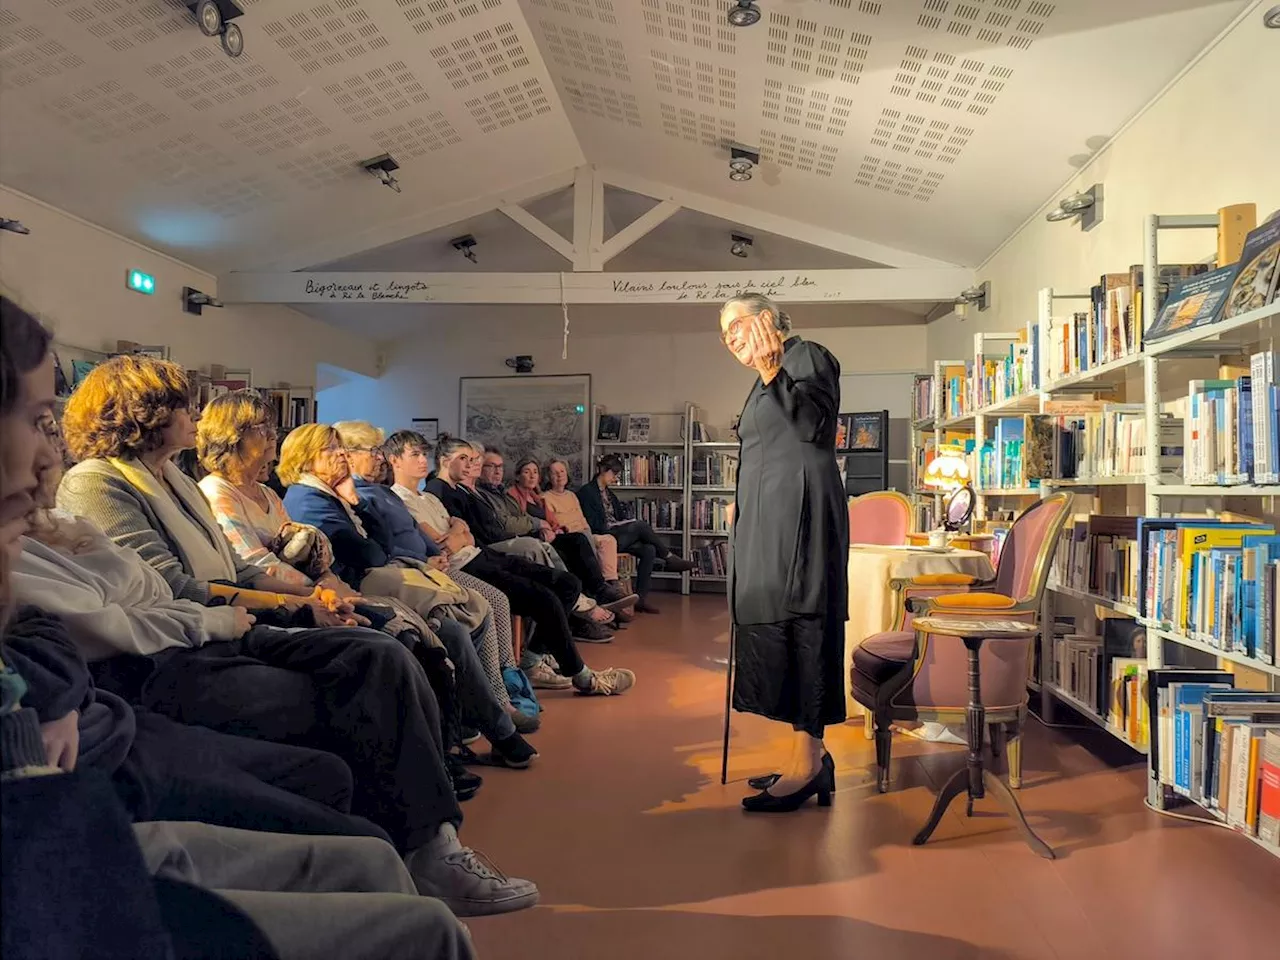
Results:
456 486
321 492
564 502
349 690
93 899
541 593
574 549
605 514
404 539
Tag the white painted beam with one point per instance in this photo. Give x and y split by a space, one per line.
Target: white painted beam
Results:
539 229
341 242
588 219
640 227
787 286
772 223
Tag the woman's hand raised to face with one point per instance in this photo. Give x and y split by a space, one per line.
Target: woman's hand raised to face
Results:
346 489
766 347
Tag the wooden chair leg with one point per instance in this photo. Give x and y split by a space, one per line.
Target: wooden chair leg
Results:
884 745
997 746
517 636
1013 751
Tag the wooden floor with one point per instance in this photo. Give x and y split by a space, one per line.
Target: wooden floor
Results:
642 855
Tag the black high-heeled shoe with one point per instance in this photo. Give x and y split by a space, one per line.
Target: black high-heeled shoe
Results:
822 786
767 780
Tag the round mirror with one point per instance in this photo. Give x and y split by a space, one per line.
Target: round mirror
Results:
958 508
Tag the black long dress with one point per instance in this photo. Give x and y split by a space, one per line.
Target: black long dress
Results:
788 585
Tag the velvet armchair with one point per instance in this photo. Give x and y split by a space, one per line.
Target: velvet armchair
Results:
882 517
902 675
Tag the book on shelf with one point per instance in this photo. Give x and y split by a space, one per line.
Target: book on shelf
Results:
1231 431
710 514
1194 303
1098 555
1001 373
659 514
652 469
711 559
714 470
609 428
638 426
1100 441
1000 458
922 398
955 389
1257 282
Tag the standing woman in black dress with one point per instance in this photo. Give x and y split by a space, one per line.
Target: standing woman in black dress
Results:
788 590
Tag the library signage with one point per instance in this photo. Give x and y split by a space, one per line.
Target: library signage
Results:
787 286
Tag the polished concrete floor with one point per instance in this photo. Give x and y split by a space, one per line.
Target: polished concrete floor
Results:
641 854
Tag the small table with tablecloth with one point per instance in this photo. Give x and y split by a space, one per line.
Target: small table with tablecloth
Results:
871 599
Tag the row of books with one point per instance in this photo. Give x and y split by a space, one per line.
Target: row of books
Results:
659 514
716 470
1004 373
1219 747
1213 580
710 514
1110 330
1099 555
1000 461
711 559
652 469
1232 427
1106 672
922 398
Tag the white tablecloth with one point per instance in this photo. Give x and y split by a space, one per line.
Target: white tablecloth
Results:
871 600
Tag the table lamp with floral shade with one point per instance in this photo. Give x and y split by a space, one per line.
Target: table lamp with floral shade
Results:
948 472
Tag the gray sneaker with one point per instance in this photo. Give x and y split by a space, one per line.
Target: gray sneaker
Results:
543 677
609 682
466 881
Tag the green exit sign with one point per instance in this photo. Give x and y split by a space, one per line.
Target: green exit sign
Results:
140 282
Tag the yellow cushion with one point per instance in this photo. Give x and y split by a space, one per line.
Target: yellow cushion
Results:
983 601
942 580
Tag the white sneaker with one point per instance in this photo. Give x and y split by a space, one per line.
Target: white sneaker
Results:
609 682
543 677
466 881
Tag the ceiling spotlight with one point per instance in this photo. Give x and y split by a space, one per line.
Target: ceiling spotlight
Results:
14 226
745 14
978 296
1271 18
1087 205
383 168
741 162
466 246
214 17
194 301
741 245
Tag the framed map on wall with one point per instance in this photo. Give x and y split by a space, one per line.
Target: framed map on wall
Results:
526 416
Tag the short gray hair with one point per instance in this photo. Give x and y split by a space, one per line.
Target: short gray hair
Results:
759 303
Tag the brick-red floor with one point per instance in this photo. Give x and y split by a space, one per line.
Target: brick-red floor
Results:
642 855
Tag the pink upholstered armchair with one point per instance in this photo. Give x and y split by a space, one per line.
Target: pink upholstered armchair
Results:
904 676
882 518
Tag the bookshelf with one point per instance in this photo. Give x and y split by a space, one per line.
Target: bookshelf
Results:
1154 377
695 481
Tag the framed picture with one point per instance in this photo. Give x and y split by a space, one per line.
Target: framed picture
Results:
531 416
429 427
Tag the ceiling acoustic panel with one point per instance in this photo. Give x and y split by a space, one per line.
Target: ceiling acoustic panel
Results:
1012 23
121 24
105 112
602 10
28 55
901 178
700 23
823 51
481 57
183 159
509 105
287 125
810 107
797 152
418 136
427 15
919 136
950 82
233 197
378 93
203 78
697 127
323 168
572 48
697 80
603 102
328 35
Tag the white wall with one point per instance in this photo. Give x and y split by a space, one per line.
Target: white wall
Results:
1211 140
652 370
71 274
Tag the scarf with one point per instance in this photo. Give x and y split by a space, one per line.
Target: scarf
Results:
311 480
199 541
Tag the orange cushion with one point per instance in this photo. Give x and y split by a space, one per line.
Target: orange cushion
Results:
942 580
983 601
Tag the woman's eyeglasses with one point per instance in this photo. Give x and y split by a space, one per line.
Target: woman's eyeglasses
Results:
737 327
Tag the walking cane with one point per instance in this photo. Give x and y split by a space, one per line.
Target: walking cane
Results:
728 699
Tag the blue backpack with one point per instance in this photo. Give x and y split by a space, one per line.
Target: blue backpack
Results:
520 692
